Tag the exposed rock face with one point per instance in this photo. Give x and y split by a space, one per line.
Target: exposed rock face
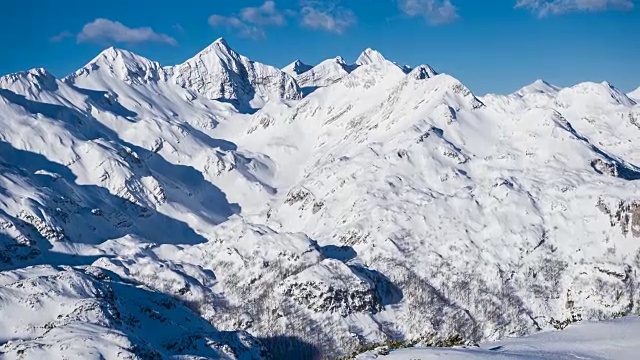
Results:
346 295
624 214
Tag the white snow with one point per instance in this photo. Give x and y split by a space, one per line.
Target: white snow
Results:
617 339
635 94
296 68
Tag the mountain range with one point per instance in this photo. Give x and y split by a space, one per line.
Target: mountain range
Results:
227 209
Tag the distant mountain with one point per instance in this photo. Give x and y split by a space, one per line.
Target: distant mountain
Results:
296 68
258 215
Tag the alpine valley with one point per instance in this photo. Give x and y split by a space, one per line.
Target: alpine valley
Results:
227 209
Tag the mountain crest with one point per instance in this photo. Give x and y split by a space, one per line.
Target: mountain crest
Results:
27 81
422 72
220 73
369 57
296 68
538 87
121 64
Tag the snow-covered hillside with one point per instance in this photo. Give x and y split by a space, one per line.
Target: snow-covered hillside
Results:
383 204
591 341
635 94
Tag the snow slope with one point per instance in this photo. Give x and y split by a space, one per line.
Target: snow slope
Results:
604 340
382 205
88 313
635 94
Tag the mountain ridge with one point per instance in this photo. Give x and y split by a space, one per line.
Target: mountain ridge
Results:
381 205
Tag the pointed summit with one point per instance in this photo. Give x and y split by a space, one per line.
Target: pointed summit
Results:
538 87
422 72
296 68
121 64
369 57
220 73
221 41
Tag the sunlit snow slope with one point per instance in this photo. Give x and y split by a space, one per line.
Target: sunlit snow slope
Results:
591 341
341 207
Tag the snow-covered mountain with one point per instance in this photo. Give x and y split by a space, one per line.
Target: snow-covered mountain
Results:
325 73
385 204
296 68
218 72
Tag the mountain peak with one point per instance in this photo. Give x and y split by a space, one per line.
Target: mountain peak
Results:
122 64
296 68
221 41
538 87
37 78
219 46
370 56
219 72
340 60
422 72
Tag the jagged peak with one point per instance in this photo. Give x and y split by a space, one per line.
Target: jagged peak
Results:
219 48
422 72
296 68
221 42
405 68
340 60
40 78
122 64
369 57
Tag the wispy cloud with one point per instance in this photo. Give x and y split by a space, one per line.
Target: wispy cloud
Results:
436 12
105 31
62 36
178 27
267 14
251 21
234 24
543 8
331 17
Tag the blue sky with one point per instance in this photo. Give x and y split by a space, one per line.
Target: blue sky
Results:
491 46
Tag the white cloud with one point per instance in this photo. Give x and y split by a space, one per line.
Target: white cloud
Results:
331 18
62 36
108 31
544 8
436 12
251 21
267 14
232 23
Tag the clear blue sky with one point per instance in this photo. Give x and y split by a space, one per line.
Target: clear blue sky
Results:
491 46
